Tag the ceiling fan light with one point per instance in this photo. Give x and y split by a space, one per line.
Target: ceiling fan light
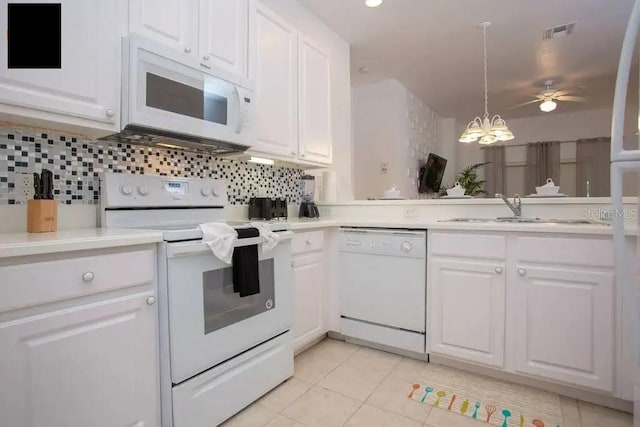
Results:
373 3
548 106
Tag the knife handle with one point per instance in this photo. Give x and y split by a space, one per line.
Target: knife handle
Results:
37 188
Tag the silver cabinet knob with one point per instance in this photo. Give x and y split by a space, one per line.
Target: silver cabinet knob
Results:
308 242
205 58
301 155
110 112
187 49
151 300
293 153
498 270
293 263
87 277
522 272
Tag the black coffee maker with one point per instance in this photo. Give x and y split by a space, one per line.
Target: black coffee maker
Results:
308 207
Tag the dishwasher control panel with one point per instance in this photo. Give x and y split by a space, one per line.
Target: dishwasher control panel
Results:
394 242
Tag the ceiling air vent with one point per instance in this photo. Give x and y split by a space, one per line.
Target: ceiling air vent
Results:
558 31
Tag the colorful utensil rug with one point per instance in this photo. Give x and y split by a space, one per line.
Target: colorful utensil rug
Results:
504 410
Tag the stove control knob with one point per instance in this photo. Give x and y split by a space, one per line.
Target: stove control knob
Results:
205 192
406 246
218 190
126 189
143 191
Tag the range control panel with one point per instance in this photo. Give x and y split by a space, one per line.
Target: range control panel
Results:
118 190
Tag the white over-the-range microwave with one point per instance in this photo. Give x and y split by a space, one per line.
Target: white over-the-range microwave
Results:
171 100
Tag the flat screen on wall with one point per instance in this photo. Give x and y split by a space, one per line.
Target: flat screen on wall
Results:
431 173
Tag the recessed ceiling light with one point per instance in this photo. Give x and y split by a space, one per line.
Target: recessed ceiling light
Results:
373 3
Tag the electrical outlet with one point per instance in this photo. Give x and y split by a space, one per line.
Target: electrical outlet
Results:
384 168
24 187
411 212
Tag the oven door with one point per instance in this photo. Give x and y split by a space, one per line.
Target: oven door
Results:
164 90
208 322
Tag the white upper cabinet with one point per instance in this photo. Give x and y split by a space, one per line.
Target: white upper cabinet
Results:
565 325
224 34
171 22
468 309
89 365
315 103
85 91
276 86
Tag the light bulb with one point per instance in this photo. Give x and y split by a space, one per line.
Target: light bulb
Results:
373 3
548 106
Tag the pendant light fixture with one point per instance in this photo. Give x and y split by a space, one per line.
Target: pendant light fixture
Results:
486 131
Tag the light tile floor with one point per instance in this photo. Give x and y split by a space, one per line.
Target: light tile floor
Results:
340 384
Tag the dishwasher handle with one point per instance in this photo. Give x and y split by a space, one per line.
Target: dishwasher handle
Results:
354 243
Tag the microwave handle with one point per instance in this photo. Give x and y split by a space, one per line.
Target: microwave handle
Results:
241 114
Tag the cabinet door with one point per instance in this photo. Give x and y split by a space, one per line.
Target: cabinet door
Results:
171 22
85 91
315 103
90 365
276 86
308 282
224 34
564 325
467 309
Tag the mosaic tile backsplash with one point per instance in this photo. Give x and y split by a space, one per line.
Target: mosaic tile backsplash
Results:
76 164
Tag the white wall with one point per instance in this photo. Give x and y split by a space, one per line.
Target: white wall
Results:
394 128
339 51
447 148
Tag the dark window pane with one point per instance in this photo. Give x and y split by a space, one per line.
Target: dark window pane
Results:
175 97
215 109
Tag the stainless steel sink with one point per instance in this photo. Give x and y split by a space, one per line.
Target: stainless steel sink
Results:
525 220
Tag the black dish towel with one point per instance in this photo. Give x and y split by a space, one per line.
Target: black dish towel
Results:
246 279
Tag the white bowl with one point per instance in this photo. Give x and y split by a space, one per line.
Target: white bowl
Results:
548 190
456 192
391 194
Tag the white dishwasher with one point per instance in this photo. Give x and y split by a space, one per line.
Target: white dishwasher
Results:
383 286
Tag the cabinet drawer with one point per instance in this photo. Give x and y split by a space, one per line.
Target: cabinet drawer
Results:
469 245
37 283
588 252
307 242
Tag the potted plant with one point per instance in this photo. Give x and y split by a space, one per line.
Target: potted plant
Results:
468 179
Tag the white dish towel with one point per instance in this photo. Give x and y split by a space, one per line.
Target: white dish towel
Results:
220 237
269 238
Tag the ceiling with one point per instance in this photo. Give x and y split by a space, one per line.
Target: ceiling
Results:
434 47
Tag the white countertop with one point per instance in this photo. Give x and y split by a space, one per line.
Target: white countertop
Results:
24 244
307 224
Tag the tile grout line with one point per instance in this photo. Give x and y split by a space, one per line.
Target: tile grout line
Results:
314 384
373 391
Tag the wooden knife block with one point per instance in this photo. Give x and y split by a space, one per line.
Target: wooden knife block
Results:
42 216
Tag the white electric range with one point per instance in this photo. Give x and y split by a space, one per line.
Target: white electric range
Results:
219 352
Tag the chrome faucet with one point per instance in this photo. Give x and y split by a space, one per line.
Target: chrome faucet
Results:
516 206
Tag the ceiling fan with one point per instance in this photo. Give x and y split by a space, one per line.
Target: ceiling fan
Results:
548 97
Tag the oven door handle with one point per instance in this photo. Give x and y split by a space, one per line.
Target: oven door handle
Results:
198 248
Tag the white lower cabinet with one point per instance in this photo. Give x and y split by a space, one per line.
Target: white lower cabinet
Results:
467 310
88 361
309 288
544 308
308 275
564 325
